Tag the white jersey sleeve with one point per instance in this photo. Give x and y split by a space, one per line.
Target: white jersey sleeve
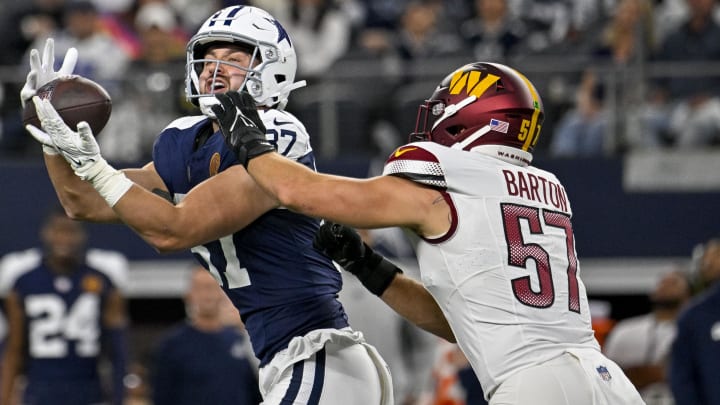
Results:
506 274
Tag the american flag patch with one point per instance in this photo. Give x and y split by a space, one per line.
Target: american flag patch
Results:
500 126
604 373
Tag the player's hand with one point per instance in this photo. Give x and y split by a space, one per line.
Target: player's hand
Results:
341 243
344 245
241 125
42 70
79 148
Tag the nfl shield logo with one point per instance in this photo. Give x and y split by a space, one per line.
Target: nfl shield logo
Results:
604 373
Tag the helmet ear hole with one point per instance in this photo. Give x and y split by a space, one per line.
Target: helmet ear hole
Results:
280 78
455 130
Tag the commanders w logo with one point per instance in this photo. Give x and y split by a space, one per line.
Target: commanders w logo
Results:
471 83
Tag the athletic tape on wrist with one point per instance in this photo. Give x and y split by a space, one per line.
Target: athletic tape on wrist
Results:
109 182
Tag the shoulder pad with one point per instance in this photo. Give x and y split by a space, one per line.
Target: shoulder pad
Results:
15 264
417 164
113 264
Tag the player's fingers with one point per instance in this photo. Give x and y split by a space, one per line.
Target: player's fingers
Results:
84 131
35 63
29 89
325 239
45 110
245 100
218 110
248 107
225 101
236 98
39 135
48 59
69 62
31 79
40 108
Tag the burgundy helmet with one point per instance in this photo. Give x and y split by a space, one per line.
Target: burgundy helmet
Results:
482 104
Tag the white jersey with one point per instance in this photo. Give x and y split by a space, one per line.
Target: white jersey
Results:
506 274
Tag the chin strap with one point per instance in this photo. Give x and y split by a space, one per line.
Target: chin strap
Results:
206 104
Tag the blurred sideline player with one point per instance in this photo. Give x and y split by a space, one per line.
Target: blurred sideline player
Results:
695 353
65 313
263 258
497 249
641 344
204 360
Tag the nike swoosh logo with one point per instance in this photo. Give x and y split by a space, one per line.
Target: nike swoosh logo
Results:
401 151
276 122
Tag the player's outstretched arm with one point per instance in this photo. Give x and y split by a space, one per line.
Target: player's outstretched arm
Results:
80 200
217 207
368 203
406 296
78 197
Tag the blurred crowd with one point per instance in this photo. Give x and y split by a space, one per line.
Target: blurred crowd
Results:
615 75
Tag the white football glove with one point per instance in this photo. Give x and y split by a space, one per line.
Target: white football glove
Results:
42 70
80 150
41 73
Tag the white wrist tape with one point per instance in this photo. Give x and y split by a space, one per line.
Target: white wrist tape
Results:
109 182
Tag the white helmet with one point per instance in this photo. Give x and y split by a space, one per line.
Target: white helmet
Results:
271 81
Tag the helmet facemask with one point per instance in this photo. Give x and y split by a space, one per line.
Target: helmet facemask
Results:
433 113
251 81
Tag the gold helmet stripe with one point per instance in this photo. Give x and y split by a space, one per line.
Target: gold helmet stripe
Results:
533 130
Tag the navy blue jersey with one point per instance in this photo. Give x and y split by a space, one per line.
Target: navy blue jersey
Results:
696 351
195 368
282 286
63 322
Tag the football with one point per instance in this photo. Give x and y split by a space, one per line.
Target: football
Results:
76 99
